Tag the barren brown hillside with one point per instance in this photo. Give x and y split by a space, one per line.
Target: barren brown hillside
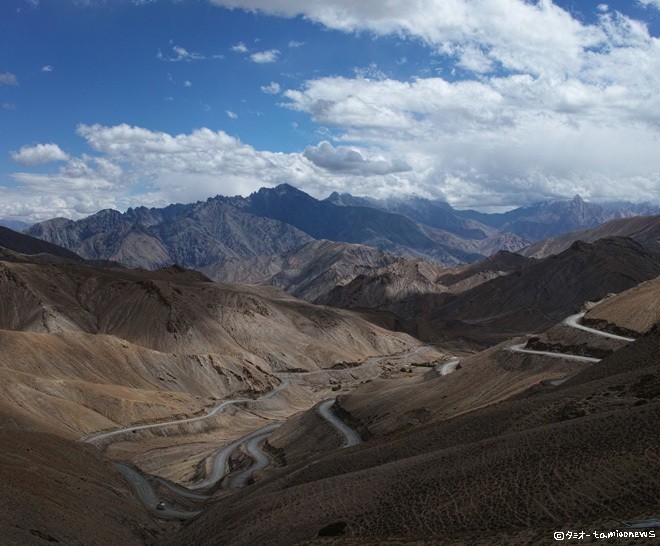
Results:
181 311
86 348
581 454
635 310
74 383
532 297
58 491
643 229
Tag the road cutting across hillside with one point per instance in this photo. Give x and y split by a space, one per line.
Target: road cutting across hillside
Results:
351 437
219 464
572 321
261 460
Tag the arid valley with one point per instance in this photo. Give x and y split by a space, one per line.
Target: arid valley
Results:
351 272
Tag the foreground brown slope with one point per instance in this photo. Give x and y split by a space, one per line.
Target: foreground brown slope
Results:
581 454
73 384
57 491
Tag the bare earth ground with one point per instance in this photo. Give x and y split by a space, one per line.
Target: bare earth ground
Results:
489 449
636 310
583 453
55 490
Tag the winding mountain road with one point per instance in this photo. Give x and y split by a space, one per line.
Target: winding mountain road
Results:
351 437
520 348
449 367
219 468
261 460
145 492
211 413
572 321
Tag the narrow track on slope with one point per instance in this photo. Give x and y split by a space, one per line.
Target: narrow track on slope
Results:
351 437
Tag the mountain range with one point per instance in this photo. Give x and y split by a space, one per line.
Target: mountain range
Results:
274 221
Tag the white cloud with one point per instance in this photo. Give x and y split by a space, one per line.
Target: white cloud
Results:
231 115
79 188
653 3
268 56
47 68
474 59
603 8
240 47
547 106
371 72
187 84
41 153
294 44
7 78
350 160
180 54
273 88
514 33
158 169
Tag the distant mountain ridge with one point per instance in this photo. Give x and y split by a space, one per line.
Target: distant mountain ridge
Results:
531 222
24 244
189 235
550 218
274 221
16 225
644 229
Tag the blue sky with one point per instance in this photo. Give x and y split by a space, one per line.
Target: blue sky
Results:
487 104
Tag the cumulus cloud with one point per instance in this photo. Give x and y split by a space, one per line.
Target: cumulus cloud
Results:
231 115
79 188
513 33
47 68
268 56
134 166
294 44
584 118
349 160
273 88
41 153
240 47
187 83
7 78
